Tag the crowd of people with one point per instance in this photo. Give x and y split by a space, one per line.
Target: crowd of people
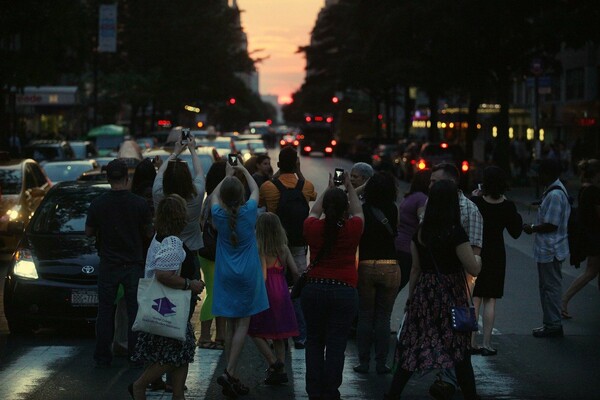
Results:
243 235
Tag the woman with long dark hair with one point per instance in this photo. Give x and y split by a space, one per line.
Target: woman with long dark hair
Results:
239 285
378 272
330 300
441 255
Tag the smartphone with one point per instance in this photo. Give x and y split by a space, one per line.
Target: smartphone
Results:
479 186
185 136
338 176
233 159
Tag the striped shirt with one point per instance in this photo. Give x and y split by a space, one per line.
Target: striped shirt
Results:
555 209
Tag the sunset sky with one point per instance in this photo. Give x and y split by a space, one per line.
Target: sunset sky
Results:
279 27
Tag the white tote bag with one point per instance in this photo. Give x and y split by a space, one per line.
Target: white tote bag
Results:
162 310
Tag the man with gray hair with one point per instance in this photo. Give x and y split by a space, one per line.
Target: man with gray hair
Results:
359 175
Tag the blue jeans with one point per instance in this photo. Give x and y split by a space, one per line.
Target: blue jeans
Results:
299 254
329 311
550 276
377 290
109 278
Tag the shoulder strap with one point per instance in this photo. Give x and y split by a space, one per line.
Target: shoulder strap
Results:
382 218
278 184
556 187
464 274
300 184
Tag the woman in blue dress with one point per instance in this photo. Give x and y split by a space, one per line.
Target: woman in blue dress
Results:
239 286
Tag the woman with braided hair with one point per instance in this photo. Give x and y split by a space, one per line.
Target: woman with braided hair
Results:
239 285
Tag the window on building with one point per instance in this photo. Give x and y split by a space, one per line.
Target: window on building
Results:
574 84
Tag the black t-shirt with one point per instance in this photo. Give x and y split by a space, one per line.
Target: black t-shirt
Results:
376 242
442 250
120 219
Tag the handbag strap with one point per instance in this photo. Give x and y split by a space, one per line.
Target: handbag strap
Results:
430 252
382 218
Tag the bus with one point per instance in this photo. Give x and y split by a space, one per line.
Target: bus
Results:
316 135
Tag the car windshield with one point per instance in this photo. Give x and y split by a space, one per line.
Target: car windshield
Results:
10 180
108 142
64 211
42 153
65 172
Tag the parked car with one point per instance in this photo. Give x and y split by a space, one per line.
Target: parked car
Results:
83 149
435 153
59 171
386 156
49 150
408 159
23 185
54 271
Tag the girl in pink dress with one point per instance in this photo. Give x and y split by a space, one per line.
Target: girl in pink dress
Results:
278 322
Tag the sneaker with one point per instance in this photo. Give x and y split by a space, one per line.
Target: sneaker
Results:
441 390
548 332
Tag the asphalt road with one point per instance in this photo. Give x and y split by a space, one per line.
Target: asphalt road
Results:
57 363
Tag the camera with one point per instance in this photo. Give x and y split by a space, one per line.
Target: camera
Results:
233 159
338 176
185 136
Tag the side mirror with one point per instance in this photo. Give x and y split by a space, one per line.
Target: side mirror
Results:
16 227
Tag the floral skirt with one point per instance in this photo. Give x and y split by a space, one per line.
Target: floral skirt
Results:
159 349
427 340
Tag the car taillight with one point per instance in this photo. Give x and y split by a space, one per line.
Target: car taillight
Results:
413 161
464 166
328 150
307 149
296 143
333 142
376 157
421 164
282 142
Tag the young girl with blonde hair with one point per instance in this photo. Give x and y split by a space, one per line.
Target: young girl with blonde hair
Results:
278 322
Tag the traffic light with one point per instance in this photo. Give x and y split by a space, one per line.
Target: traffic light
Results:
335 99
231 100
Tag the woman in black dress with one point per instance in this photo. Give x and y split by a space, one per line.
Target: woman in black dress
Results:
441 255
498 214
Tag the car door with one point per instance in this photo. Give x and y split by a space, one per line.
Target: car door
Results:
36 186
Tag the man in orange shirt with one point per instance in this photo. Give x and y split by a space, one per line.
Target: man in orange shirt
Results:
289 174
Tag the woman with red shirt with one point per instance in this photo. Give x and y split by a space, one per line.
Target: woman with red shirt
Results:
330 300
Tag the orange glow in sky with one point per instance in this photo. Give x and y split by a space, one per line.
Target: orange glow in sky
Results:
277 28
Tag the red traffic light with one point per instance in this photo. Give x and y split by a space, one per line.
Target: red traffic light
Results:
269 121
335 99
232 101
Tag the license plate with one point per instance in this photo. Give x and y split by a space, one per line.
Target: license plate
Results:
81 298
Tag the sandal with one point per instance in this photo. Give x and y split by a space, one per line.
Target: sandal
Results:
219 345
206 344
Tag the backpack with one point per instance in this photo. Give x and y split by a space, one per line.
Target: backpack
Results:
574 233
292 210
209 233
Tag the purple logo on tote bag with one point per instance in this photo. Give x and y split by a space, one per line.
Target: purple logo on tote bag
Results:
164 306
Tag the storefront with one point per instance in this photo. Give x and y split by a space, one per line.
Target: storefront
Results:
48 112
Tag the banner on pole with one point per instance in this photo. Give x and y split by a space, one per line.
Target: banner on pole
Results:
107 28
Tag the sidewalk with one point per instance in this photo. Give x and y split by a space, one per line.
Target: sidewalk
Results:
525 195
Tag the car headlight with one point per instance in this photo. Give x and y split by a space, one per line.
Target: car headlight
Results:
24 265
